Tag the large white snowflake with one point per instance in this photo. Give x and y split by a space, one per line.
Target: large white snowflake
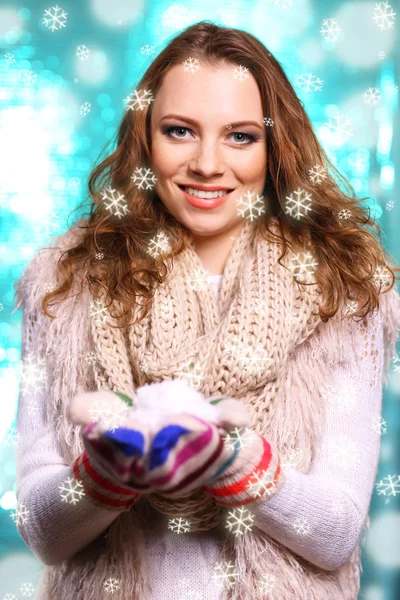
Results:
373 96
139 100
298 203
99 311
71 490
247 206
191 64
389 486
382 276
27 589
384 15
21 514
82 52
159 244
33 374
144 178
176 15
309 83
116 202
301 526
317 173
111 585
240 72
179 525
85 108
239 520
55 18
341 127
330 30
267 584
225 575
111 412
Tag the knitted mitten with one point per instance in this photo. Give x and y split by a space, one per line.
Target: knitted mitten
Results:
251 473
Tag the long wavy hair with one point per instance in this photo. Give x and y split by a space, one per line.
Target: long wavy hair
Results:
114 249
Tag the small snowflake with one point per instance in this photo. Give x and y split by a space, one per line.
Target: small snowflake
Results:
20 515
394 89
55 18
33 374
98 311
341 127
11 438
239 520
379 425
90 358
82 52
317 173
381 55
303 264
389 486
28 76
283 4
384 15
269 122
179 525
111 585
247 207
382 276
344 214
71 490
176 15
330 30
241 73
139 100
373 96
10 58
301 526
352 307
159 245
225 575
298 203
116 202
73 184
147 50
267 583
310 83
389 205
27 589
85 108
191 64
99 255
144 178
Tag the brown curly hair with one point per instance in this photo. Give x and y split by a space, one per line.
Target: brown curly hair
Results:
350 259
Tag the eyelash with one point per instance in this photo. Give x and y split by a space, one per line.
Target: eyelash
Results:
167 131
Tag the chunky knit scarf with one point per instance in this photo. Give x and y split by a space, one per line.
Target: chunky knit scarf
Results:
262 342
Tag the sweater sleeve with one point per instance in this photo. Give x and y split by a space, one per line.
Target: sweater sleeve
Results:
320 515
56 518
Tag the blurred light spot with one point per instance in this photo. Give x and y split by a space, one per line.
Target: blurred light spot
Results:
94 70
119 14
387 176
382 539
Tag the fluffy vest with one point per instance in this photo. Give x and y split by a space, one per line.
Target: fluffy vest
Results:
262 342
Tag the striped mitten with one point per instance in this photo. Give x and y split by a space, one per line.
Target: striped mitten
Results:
251 473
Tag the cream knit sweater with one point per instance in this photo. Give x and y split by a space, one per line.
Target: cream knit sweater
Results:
318 515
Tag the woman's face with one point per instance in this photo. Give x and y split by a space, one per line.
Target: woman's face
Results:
207 152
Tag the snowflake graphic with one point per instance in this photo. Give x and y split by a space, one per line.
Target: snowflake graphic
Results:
239 520
372 96
241 73
396 362
176 15
381 55
261 486
159 245
21 514
179 525
139 100
82 52
191 64
330 30
389 486
144 177
389 205
394 89
11 438
73 184
85 108
309 83
54 18
71 491
344 451
341 127
117 204
239 437
384 15
301 526
247 206
345 214
90 358
147 50
224 575
10 58
283 4
111 585
27 589
303 263
10 597
269 122
33 374
379 425
317 173
352 308
382 276
28 76
253 359
267 583
98 311
298 203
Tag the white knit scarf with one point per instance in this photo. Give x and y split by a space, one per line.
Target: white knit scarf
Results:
254 343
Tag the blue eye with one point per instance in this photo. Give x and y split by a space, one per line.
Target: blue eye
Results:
170 128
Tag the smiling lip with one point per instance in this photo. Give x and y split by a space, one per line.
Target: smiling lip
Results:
207 203
204 188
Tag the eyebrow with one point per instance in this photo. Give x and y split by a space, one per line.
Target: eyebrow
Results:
194 122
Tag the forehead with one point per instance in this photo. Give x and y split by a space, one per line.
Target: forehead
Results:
210 91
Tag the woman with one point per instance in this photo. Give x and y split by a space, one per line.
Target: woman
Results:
300 343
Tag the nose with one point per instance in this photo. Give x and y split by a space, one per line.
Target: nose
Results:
207 159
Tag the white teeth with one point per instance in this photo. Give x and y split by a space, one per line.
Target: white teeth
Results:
203 194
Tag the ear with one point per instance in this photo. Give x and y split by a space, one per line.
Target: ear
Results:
232 413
